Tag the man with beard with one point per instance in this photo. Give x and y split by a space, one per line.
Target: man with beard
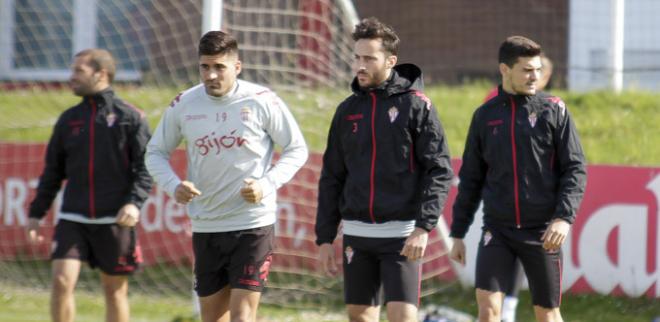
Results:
385 178
230 127
523 158
98 147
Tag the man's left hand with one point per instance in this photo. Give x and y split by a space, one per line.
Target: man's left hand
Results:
555 235
252 192
128 215
415 244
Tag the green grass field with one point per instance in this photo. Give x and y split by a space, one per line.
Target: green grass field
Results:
615 129
20 304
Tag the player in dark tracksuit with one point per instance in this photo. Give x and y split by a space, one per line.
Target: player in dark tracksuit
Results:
386 174
98 147
523 158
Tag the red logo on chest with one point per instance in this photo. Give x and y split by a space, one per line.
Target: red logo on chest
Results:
217 143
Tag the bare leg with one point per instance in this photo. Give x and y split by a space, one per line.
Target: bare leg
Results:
363 313
490 305
401 312
215 307
65 276
243 305
547 315
115 288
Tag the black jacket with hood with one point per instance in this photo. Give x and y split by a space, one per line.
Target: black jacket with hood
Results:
98 147
386 158
524 159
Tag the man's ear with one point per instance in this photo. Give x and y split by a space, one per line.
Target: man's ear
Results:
390 61
504 69
101 75
239 67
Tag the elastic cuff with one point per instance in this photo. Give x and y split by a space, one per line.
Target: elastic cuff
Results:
427 227
458 235
170 189
569 219
266 186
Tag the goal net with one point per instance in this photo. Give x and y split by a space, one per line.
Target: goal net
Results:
302 48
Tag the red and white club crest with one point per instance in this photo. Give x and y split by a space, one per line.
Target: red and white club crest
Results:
349 254
245 114
532 119
393 112
562 108
110 119
487 237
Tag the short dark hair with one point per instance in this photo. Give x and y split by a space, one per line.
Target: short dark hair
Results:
100 59
371 28
217 43
518 46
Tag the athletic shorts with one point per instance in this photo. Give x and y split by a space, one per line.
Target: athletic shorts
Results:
110 247
496 260
240 259
373 266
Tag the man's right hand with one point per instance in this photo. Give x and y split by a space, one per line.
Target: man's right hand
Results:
327 258
33 234
457 252
185 192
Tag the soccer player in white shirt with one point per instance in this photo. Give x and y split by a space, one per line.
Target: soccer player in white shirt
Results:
230 127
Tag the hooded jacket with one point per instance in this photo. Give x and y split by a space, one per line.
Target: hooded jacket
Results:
98 147
386 158
524 159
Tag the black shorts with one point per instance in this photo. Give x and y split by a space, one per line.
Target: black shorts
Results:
110 247
240 259
373 265
496 260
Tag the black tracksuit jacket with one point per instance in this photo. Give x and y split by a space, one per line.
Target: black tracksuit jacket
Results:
386 158
98 147
524 159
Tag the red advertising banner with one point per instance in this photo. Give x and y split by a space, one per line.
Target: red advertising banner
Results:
614 247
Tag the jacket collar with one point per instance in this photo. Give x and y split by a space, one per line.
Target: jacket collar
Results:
518 98
404 78
102 98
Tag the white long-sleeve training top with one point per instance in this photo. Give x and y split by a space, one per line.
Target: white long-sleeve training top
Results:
228 139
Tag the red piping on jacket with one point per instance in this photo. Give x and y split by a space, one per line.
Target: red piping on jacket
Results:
92 207
372 186
515 161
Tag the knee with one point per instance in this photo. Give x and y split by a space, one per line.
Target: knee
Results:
401 312
241 316
547 315
488 312
115 290
115 294
363 315
402 316
63 284
358 318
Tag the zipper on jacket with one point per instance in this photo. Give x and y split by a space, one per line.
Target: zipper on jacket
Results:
372 186
552 160
412 157
92 118
515 161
